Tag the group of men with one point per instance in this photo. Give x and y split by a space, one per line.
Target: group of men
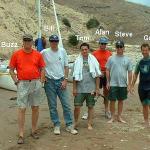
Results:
90 72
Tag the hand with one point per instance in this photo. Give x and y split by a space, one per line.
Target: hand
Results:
103 73
64 84
132 90
42 80
97 92
129 88
16 82
74 92
108 86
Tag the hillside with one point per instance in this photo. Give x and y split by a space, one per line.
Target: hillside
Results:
19 17
116 15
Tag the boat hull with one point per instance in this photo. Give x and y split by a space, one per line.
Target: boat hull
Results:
6 82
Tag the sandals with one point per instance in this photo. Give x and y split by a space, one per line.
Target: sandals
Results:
35 135
20 140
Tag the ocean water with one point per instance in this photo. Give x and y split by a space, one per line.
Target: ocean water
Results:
142 2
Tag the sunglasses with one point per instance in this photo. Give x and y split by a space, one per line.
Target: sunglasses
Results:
54 41
27 40
103 43
119 46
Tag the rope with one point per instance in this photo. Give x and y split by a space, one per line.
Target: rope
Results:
58 27
4 73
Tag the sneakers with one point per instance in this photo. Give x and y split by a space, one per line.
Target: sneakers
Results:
57 130
85 116
107 115
71 130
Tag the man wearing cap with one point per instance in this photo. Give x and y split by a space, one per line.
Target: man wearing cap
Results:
29 65
56 84
118 69
102 54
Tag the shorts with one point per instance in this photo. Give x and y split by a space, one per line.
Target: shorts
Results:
81 97
144 96
117 93
29 93
103 82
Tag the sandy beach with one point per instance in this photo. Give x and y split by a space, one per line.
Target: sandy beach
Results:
116 136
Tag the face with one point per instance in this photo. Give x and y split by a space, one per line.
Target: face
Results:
27 44
145 51
54 44
103 46
84 51
120 50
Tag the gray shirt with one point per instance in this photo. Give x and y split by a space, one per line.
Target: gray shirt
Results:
55 62
119 67
88 84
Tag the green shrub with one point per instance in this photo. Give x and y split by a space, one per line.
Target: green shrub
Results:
66 22
72 39
92 23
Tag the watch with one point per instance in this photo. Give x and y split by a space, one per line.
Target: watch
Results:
16 82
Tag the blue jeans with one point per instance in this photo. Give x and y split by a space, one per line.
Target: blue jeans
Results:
53 89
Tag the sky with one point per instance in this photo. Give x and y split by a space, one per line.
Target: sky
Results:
143 2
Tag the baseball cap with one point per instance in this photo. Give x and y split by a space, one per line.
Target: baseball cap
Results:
28 37
119 43
103 40
54 38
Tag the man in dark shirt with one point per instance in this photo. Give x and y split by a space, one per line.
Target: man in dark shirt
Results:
143 67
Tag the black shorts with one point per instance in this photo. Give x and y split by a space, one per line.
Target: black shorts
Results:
144 95
103 82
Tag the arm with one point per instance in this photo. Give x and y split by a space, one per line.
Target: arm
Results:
108 78
64 82
133 82
74 88
108 67
66 72
13 76
135 75
43 79
97 86
134 79
12 67
42 66
66 65
129 80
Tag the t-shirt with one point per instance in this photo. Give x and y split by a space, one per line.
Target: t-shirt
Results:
119 66
102 57
27 65
143 67
88 83
55 62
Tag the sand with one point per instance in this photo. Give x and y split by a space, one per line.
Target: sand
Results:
116 136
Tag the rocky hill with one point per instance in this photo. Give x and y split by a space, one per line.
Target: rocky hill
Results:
20 16
116 15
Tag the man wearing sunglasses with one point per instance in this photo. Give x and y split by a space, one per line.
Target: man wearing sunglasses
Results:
118 69
102 55
56 84
29 65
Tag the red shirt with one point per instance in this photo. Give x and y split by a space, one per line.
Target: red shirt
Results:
102 57
27 65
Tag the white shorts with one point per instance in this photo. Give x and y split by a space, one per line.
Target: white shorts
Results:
29 93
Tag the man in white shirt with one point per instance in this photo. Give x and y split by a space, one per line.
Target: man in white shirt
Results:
56 84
